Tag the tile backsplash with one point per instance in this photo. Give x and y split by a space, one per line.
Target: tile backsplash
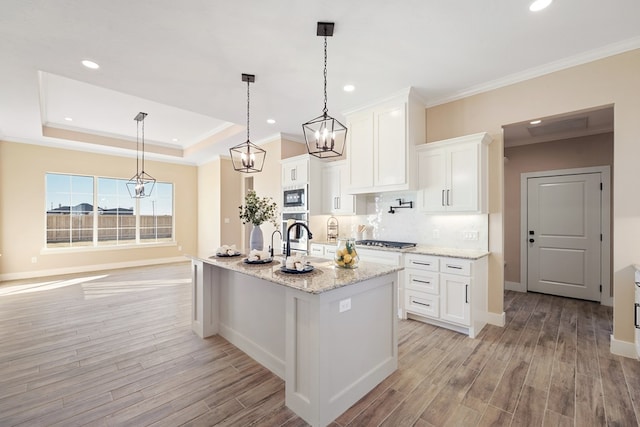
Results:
462 231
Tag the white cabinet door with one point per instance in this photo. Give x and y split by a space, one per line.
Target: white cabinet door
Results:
390 146
462 175
330 189
452 174
335 199
360 151
382 141
432 180
295 172
455 299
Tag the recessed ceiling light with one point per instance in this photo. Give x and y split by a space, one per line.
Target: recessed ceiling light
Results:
175 139
90 64
69 119
535 122
538 5
271 121
349 88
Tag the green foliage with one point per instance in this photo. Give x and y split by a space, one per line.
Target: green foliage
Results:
257 210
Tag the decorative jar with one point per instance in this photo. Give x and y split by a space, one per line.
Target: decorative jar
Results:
346 255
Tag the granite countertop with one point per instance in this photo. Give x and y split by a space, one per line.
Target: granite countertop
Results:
325 277
472 254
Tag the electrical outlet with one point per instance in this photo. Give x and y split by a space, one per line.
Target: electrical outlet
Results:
226 221
469 235
34 259
345 305
435 234
179 248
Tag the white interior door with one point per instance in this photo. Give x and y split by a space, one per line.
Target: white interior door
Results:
563 249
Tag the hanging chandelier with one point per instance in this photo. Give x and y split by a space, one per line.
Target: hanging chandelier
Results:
141 184
324 135
247 157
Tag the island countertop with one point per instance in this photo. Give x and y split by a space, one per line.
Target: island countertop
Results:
325 276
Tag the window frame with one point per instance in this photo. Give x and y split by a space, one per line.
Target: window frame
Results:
95 244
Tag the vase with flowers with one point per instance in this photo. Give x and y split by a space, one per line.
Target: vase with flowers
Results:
256 211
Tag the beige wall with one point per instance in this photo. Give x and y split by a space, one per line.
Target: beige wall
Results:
219 195
594 150
22 204
612 80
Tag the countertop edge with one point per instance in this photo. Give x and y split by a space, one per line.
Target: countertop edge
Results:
326 270
471 254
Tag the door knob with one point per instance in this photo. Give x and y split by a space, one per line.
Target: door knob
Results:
531 240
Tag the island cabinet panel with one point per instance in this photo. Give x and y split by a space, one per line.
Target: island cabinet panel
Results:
331 335
335 356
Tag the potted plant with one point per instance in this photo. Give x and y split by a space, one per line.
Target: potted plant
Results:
257 210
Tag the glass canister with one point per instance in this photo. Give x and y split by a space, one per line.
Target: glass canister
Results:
346 255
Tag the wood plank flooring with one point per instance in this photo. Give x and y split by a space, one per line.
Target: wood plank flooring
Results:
116 349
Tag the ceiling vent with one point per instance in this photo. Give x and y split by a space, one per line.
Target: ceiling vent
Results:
560 126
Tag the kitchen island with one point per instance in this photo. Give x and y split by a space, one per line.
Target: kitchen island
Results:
331 334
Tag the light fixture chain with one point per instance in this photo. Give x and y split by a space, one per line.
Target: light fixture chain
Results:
143 145
137 148
248 83
325 76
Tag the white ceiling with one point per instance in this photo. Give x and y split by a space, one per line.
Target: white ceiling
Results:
181 62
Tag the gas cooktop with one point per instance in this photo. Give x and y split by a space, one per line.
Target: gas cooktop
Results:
385 244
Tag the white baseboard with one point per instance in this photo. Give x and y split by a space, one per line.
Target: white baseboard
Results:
515 286
89 268
623 348
496 319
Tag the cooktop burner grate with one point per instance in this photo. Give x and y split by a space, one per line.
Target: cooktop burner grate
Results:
385 244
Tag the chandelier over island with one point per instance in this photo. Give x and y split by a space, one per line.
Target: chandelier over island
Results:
324 135
247 157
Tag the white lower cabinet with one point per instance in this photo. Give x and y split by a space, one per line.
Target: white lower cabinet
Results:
449 292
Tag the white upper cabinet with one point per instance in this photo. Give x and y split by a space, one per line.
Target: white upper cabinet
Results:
295 171
452 174
335 199
381 144
304 171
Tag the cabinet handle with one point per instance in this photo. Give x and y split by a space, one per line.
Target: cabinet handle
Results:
448 201
455 267
428 264
466 294
422 281
635 315
292 173
420 303
442 197
339 202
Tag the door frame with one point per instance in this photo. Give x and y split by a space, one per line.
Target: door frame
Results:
606 297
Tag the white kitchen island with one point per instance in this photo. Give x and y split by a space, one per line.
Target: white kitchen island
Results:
331 334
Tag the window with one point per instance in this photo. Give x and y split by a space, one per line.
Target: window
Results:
156 214
98 211
116 213
69 210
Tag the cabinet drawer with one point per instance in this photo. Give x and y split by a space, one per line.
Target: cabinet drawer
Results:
422 281
456 266
317 250
422 303
421 262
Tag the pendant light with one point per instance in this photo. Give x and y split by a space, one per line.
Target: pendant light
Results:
141 184
247 157
324 135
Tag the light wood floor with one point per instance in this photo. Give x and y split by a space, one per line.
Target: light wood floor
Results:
115 349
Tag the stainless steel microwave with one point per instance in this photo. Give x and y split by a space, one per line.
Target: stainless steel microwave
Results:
295 198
